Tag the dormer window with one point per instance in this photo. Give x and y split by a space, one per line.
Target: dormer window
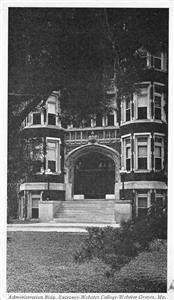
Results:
158 61
51 119
36 118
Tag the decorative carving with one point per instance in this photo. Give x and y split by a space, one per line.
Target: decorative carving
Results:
92 138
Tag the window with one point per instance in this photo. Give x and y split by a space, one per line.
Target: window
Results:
158 152
160 198
158 61
110 120
51 113
142 206
86 123
35 207
53 157
51 119
143 202
126 153
138 108
36 118
158 101
99 120
128 110
142 152
142 104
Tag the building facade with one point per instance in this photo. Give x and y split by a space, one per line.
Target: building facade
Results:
112 165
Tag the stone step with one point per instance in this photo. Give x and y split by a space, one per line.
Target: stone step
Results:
88 211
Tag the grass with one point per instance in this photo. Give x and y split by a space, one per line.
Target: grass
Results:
42 262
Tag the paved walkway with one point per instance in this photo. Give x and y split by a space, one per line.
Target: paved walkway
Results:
58 227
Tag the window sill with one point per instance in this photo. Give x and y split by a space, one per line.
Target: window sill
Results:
50 173
143 121
42 125
142 171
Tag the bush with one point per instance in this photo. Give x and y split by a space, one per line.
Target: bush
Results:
147 272
117 246
107 244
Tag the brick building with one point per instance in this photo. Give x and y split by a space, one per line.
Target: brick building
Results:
111 167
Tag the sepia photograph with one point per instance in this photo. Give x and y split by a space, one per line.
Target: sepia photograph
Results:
87 173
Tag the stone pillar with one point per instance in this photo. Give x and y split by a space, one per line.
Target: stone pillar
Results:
68 191
123 210
47 210
117 191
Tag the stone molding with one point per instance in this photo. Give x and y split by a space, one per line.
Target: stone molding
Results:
42 186
144 185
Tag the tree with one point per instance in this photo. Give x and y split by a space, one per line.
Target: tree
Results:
81 53
76 50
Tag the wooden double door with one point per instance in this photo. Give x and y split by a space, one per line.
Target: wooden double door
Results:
94 176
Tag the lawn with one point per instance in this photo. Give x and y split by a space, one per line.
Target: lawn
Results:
43 262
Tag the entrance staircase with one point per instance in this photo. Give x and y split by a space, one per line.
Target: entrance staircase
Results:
100 211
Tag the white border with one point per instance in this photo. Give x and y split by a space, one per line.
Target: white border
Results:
4 5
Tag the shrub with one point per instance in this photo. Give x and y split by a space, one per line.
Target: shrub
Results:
108 244
116 246
147 272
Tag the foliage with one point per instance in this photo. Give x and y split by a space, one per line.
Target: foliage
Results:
147 272
78 51
116 246
23 156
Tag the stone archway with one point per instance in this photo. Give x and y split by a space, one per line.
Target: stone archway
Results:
74 155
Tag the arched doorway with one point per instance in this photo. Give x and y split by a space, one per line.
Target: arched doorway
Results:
94 176
97 164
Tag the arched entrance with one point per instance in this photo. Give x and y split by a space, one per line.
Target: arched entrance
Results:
94 176
92 170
